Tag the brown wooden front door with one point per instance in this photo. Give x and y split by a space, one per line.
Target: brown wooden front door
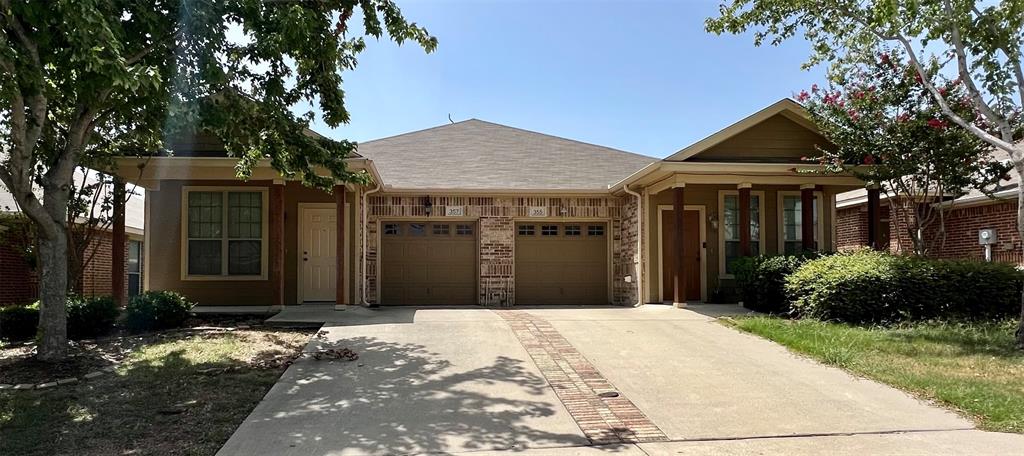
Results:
691 254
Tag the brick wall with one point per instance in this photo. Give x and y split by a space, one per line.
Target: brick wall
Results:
496 217
961 240
96 276
18 281
626 258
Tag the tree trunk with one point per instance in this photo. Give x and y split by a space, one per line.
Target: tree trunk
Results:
1019 334
53 285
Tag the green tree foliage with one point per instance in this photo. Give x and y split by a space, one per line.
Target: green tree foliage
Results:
82 81
883 116
979 41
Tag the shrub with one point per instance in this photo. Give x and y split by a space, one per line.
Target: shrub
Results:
155 310
18 323
91 317
761 281
874 287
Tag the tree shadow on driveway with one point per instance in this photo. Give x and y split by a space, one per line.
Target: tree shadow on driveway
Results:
400 398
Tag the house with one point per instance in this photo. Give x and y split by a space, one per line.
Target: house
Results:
964 217
18 275
476 213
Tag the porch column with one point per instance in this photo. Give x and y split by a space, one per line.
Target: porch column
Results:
744 190
678 261
341 298
277 242
807 216
117 246
874 218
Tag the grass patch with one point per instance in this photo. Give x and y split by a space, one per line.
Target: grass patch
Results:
179 394
970 367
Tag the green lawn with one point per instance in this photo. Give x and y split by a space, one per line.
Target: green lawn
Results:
972 368
184 394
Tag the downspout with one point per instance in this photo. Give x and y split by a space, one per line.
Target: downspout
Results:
365 221
639 244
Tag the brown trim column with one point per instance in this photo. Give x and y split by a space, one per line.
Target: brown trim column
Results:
744 200
118 244
276 221
874 218
678 261
339 257
807 216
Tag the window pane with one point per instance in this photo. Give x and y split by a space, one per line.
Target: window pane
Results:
204 215
391 229
244 257
441 230
245 213
417 229
134 256
526 230
204 257
464 230
732 252
755 221
573 230
549 230
791 218
134 285
731 218
595 230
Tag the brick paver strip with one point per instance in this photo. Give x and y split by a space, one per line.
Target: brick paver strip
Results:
578 384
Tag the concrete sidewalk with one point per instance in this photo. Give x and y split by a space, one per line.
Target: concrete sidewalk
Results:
460 381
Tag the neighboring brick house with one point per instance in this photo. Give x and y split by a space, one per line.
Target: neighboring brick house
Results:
484 214
19 282
964 218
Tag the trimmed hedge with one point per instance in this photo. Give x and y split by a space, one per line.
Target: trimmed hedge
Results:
761 281
155 310
18 323
874 287
91 317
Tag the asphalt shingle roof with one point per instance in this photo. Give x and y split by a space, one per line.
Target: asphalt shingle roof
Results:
479 155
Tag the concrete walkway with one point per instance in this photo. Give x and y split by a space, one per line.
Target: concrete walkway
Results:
461 381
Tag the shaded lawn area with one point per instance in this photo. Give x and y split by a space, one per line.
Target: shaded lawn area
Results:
970 367
182 393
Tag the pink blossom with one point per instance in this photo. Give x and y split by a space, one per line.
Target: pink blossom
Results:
803 96
814 88
937 123
869 159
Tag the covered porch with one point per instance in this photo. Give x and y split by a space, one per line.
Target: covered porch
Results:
265 241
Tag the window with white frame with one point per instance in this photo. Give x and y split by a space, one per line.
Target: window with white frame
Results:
225 232
792 224
731 228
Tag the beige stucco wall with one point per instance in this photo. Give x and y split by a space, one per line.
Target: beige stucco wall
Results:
165 249
707 197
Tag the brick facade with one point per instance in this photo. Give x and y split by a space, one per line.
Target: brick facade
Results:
495 217
961 224
19 282
626 257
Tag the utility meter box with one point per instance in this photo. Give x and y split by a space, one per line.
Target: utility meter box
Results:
987 236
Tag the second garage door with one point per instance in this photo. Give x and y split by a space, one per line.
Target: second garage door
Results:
561 263
425 263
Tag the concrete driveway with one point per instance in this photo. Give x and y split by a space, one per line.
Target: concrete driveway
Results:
650 380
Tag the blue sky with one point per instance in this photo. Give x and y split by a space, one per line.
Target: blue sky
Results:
641 76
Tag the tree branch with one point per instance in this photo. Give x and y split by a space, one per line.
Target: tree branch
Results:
965 73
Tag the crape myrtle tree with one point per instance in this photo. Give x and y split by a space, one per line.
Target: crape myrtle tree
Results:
882 115
85 81
975 42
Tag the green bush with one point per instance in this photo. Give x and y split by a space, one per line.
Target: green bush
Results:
91 317
18 323
874 287
761 281
155 310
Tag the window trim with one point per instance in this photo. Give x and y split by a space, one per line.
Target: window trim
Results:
779 225
760 194
264 234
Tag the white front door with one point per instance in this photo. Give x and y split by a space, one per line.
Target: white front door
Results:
318 255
